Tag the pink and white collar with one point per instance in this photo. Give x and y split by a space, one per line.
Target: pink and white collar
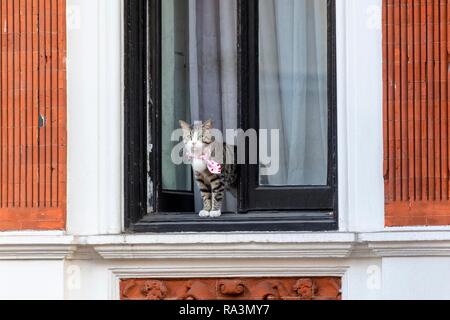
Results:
213 166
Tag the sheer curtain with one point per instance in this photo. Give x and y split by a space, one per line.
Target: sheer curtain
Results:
293 87
200 80
213 68
213 61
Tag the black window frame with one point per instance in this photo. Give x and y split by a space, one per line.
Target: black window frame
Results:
316 208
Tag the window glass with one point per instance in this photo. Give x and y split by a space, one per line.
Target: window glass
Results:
293 97
199 73
175 95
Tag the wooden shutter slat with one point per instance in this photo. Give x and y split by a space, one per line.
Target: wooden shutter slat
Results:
33 114
416 112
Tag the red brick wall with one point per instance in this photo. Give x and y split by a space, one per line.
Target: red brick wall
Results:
416 112
33 114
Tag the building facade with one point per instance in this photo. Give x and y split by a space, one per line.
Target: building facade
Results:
82 210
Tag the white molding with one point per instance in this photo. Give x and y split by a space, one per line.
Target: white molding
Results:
95 116
223 238
110 111
242 271
408 243
225 246
216 246
215 251
404 236
36 247
411 249
281 246
344 136
360 118
36 252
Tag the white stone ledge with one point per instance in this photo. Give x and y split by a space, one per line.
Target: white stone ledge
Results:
321 245
224 246
408 243
224 238
405 235
35 246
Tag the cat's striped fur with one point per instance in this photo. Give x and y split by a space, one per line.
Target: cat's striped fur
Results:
199 139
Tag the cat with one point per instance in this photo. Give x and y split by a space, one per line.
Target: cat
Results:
213 176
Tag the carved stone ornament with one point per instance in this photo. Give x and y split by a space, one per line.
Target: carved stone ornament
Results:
232 289
197 290
304 289
154 290
270 290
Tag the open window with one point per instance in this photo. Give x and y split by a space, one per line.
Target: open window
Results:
264 66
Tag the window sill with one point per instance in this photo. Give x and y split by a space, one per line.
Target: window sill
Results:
225 246
251 222
239 245
287 245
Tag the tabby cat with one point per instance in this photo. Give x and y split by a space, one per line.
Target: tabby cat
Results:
214 176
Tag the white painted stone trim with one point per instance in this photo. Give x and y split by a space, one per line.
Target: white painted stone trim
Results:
225 246
36 247
213 246
408 243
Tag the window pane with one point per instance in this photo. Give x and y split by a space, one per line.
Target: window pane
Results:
293 89
175 101
199 73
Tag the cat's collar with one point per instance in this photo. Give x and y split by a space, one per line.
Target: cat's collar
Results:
213 166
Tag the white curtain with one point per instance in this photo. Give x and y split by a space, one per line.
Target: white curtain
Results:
213 61
293 87
213 68
200 79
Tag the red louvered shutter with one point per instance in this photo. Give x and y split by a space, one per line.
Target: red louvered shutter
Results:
33 115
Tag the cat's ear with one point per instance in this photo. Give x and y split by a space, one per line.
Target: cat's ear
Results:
184 125
208 124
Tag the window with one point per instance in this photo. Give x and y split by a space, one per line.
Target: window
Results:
202 59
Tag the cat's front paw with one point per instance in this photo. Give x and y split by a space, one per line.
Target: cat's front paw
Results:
215 214
204 214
